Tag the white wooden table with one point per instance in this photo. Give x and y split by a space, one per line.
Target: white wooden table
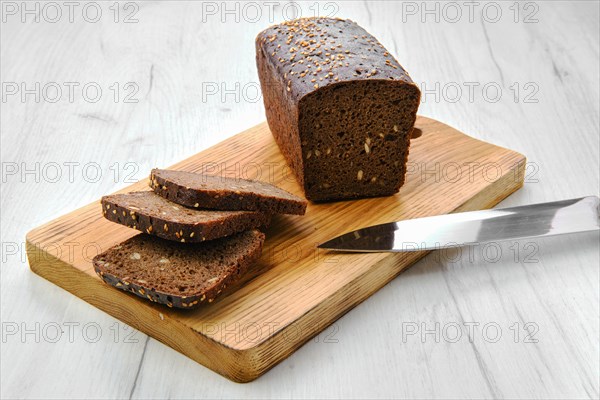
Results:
176 78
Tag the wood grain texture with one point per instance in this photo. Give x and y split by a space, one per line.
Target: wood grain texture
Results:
297 291
171 52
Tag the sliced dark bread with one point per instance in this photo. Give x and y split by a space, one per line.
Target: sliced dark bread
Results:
153 214
176 274
222 193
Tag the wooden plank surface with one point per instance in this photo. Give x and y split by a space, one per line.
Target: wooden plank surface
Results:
297 291
170 53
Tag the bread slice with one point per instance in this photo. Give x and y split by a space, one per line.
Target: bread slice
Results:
176 274
221 193
155 215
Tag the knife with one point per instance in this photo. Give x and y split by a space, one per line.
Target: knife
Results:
469 228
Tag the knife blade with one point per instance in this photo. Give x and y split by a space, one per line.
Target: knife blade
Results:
470 228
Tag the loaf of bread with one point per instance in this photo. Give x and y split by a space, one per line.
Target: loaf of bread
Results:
222 193
339 105
150 213
177 274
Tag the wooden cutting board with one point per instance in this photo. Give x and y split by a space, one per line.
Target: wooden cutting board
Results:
295 291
